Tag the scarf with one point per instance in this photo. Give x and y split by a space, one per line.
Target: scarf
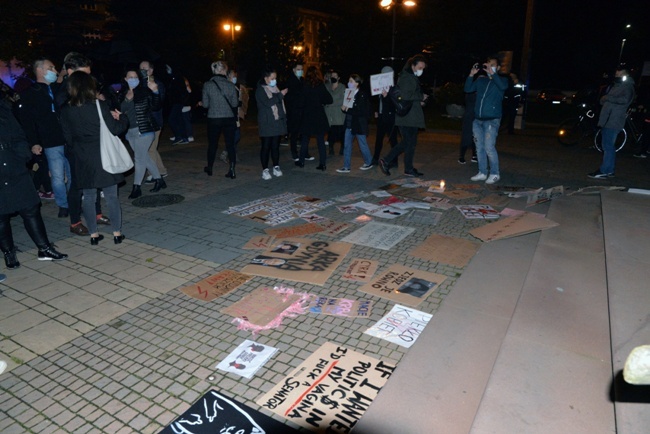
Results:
274 108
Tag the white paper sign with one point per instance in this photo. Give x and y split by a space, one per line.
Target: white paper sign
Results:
381 82
247 358
378 235
348 98
401 326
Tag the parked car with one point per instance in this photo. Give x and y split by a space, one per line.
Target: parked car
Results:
553 96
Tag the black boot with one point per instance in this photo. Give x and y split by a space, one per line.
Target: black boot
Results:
159 183
231 173
48 253
136 192
11 261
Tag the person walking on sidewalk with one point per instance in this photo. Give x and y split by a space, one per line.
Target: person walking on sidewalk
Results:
81 126
17 192
385 116
271 121
220 99
146 74
356 125
410 123
335 116
138 100
489 88
612 120
314 120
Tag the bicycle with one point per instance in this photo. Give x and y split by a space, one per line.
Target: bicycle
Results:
630 130
573 130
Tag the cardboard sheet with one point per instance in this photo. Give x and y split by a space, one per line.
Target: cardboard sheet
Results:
512 226
259 242
378 235
216 286
360 270
295 231
446 250
404 285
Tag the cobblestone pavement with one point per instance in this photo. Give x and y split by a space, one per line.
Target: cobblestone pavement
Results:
105 342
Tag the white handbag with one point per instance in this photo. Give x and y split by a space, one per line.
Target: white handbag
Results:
115 157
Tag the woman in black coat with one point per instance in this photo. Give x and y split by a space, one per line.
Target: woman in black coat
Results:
314 120
17 192
81 126
356 125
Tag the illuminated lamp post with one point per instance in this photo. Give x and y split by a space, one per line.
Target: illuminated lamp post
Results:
391 4
232 28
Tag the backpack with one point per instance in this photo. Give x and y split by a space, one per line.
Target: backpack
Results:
402 107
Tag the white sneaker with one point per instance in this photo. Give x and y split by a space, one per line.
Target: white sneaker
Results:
190 139
277 171
3 366
492 179
327 143
343 170
479 177
366 167
173 139
266 175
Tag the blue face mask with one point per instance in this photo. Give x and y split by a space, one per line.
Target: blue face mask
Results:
133 82
299 73
50 76
352 85
273 82
234 80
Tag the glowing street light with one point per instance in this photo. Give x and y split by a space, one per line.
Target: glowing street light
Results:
390 4
232 28
620 54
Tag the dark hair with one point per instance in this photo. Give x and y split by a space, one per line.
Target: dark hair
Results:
495 57
39 62
82 88
357 78
313 76
268 70
74 61
414 61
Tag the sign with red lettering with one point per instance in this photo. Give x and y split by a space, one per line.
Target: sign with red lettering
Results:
339 306
360 270
401 326
404 285
330 391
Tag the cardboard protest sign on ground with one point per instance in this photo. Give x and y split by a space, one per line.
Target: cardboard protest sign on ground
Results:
330 391
378 235
403 285
217 285
340 306
278 209
381 82
446 250
459 194
387 212
214 412
545 195
295 231
265 308
332 227
312 261
259 242
401 326
247 358
512 226
360 270
496 200
478 211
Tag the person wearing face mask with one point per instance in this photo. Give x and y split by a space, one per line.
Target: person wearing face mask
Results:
385 116
335 115
242 96
138 101
314 120
147 74
38 114
410 123
271 121
178 98
489 88
612 120
294 102
356 125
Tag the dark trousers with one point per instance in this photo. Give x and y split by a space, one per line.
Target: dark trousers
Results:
336 134
41 175
304 148
177 123
385 127
467 135
33 225
270 147
407 145
74 197
293 144
216 126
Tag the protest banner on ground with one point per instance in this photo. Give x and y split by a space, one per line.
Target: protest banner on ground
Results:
330 391
496 200
459 194
478 211
360 270
265 308
217 285
295 231
544 195
247 358
378 235
332 227
401 326
403 285
259 242
339 306
215 412
446 250
312 261
512 226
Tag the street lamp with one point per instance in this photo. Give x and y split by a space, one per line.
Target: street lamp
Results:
620 54
390 4
232 28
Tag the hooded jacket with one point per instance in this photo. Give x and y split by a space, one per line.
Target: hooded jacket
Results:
489 95
615 104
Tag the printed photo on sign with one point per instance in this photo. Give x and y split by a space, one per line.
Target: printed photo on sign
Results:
416 287
217 413
247 358
404 285
401 326
330 391
286 248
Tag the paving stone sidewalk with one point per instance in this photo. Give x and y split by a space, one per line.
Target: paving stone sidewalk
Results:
105 342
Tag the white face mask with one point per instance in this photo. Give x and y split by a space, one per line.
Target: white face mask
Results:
494 69
299 73
234 80
418 72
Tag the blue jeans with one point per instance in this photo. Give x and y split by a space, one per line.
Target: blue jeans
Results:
485 135
60 174
347 148
609 153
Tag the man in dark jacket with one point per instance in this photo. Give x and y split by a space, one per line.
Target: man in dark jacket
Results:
146 69
39 118
612 120
385 116
489 87
294 102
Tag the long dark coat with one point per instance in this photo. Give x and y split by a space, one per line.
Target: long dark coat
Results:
267 124
314 119
81 129
17 190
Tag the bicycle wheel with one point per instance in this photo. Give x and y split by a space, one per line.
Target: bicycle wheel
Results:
570 131
621 138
